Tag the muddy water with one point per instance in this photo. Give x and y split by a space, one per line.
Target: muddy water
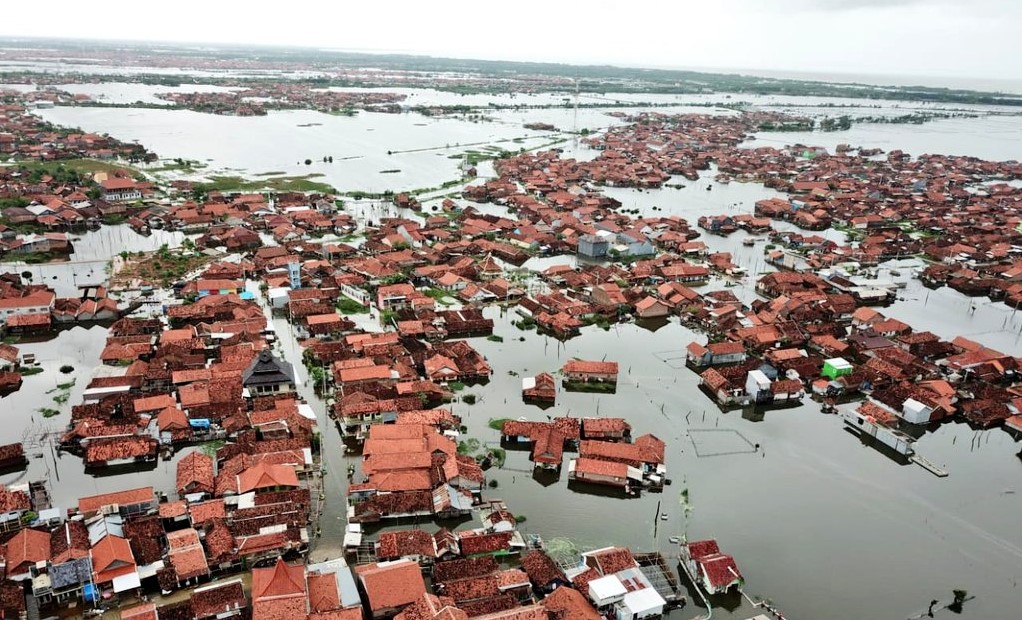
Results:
825 527
814 518
78 347
93 251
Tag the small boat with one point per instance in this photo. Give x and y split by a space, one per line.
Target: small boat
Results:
749 241
663 516
674 540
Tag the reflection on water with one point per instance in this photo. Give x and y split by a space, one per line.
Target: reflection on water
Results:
93 251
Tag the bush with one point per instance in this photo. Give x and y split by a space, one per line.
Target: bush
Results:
494 484
497 424
469 399
67 369
521 518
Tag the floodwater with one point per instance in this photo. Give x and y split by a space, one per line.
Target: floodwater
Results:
995 138
79 347
372 152
93 251
822 525
129 92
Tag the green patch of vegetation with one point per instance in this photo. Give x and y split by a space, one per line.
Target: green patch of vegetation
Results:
302 183
387 317
456 386
497 424
272 173
521 518
32 258
179 164
48 412
525 323
210 447
439 295
80 166
114 219
67 369
347 305
16 201
597 387
598 320
494 484
495 338
469 399
29 371
468 446
317 375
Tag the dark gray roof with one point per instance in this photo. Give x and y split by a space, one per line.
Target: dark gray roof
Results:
268 370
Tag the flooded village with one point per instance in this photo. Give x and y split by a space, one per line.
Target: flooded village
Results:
656 368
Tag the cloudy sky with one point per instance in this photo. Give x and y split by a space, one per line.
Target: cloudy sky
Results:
955 38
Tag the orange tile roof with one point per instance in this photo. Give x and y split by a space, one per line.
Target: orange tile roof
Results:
123 498
323 592
278 593
392 584
112 557
263 475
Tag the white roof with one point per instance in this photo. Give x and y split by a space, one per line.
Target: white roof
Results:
914 406
606 588
642 601
306 411
127 582
528 383
838 362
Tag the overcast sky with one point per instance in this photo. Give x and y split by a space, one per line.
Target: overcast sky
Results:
958 38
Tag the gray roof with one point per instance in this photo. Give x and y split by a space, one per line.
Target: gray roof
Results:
71 573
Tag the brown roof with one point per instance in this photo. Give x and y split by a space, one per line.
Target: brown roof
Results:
588 367
218 598
145 611
405 543
195 473
541 569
